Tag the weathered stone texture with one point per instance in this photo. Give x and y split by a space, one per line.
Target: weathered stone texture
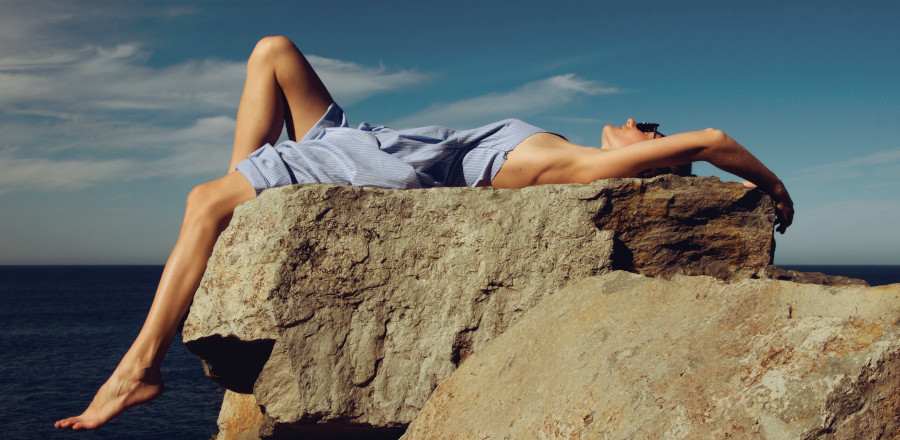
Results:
624 356
346 306
688 227
239 418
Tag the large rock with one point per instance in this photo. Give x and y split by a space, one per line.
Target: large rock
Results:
344 307
624 356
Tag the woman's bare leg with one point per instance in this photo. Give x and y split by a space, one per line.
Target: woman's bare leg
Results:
281 88
137 378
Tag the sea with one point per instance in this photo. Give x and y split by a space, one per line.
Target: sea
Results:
64 328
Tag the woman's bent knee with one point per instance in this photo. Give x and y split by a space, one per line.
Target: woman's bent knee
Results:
207 201
217 199
199 201
272 47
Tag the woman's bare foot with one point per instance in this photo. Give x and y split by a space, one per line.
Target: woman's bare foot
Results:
120 392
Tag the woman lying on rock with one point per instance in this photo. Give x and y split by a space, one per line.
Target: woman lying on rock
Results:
282 89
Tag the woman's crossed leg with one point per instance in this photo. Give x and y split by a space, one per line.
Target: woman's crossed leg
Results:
137 378
281 89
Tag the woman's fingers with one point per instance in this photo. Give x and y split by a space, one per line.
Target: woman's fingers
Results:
784 214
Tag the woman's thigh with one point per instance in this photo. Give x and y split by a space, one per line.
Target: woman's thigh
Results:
305 95
281 89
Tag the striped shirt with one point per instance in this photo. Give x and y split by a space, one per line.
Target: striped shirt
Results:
332 152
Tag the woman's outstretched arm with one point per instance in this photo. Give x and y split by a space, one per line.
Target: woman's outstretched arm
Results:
715 147
547 158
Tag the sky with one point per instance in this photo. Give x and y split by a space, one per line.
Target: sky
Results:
111 111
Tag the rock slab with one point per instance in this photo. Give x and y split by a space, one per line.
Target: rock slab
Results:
624 356
344 307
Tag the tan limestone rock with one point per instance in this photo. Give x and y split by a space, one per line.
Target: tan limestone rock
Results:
239 418
624 356
343 307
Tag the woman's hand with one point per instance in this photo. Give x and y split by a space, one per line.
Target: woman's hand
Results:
784 208
728 155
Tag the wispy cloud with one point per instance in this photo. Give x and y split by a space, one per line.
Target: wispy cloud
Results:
33 26
202 148
116 78
94 101
22 20
92 79
41 173
351 82
881 163
532 98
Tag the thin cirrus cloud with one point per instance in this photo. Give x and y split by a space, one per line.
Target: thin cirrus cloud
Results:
529 99
30 173
351 82
198 147
65 112
117 78
109 79
884 163
29 26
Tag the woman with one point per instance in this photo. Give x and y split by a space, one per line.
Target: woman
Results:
282 88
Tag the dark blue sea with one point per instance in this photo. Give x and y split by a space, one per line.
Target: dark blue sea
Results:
874 275
64 328
62 332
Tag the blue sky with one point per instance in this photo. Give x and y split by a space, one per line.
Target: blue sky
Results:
111 111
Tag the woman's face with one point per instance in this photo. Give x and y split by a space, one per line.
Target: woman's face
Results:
621 136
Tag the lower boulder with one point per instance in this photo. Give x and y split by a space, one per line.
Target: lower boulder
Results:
624 356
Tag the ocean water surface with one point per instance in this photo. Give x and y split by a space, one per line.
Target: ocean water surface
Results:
874 275
64 328
62 332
